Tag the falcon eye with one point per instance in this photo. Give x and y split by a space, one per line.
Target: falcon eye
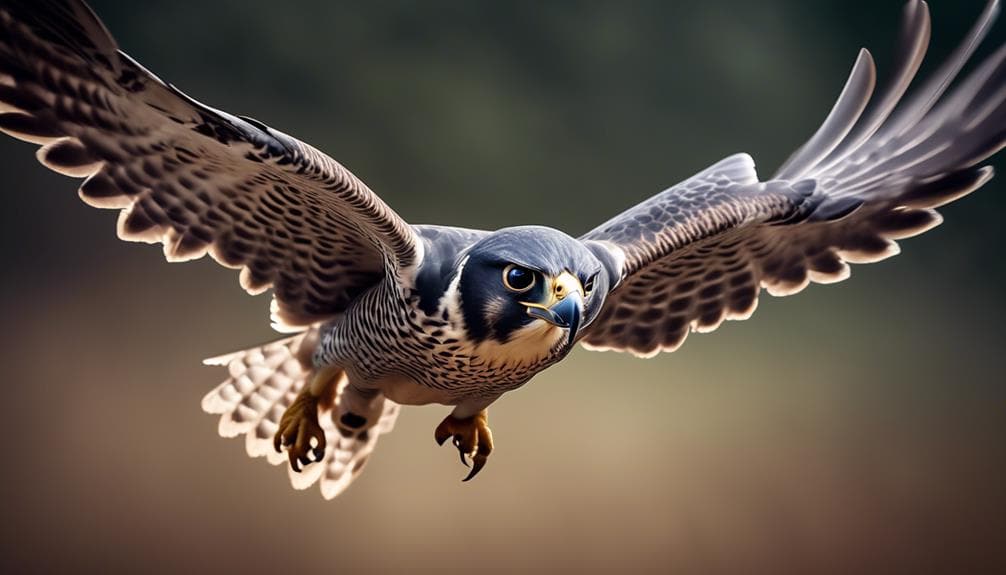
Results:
517 279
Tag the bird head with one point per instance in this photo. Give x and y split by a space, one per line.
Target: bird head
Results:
533 284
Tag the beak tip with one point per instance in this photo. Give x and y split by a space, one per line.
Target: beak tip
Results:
567 313
570 310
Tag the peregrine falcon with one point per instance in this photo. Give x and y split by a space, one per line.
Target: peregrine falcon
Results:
380 313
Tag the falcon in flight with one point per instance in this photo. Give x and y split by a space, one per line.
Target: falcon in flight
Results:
382 313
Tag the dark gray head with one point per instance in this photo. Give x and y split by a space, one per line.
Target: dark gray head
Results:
531 280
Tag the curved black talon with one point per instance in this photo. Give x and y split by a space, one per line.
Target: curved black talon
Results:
461 451
294 461
471 437
479 461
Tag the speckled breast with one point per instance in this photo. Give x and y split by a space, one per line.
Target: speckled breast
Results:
384 336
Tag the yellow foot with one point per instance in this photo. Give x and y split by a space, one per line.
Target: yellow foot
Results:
472 437
298 426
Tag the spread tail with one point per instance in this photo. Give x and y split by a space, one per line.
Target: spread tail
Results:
263 382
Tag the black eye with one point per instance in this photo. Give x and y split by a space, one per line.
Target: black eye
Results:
517 279
589 284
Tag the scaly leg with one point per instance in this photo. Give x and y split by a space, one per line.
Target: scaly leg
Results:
472 437
299 424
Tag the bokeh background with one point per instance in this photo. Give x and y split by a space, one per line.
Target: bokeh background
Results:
851 428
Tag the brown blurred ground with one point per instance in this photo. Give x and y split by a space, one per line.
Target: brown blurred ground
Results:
852 428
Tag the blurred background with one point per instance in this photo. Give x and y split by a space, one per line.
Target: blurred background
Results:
850 428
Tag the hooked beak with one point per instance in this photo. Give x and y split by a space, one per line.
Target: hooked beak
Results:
563 305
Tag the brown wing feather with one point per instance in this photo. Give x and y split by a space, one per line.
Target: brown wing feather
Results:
701 252
193 178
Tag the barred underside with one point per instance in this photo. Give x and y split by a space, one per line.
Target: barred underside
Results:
198 180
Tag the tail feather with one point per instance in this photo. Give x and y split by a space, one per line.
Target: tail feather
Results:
345 457
262 383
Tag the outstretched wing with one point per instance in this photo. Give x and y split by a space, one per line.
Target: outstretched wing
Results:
700 252
196 179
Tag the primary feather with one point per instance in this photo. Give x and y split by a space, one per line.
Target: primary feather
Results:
196 179
700 252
